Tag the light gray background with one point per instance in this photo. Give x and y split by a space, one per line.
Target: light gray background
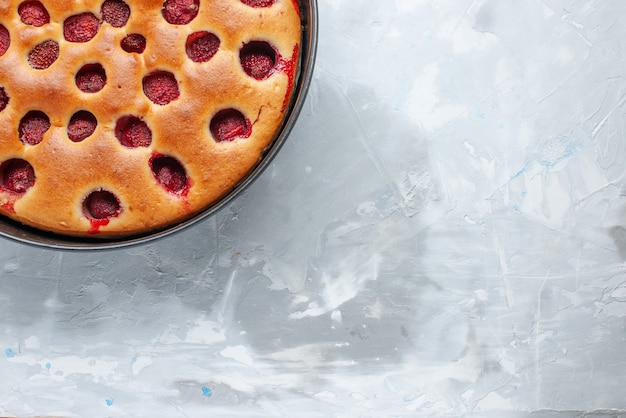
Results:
442 235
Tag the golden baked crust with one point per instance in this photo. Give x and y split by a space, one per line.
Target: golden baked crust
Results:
66 172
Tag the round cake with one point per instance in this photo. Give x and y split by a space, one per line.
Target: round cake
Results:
119 117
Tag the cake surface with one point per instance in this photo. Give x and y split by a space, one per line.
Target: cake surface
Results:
122 117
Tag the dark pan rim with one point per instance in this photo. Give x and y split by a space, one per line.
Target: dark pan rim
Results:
26 235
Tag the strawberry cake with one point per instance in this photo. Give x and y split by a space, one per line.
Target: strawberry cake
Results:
119 117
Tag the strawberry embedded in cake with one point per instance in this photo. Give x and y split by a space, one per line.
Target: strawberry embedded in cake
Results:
33 126
124 117
33 13
81 27
5 39
133 132
4 99
169 173
133 42
180 12
81 126
229 124
91 78
201 46
115 12
43 55
101 204
17 175
258 58
161 87
258 3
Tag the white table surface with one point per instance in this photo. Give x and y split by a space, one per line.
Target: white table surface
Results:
443 234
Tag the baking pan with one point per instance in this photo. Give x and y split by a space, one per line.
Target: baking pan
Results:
309 16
